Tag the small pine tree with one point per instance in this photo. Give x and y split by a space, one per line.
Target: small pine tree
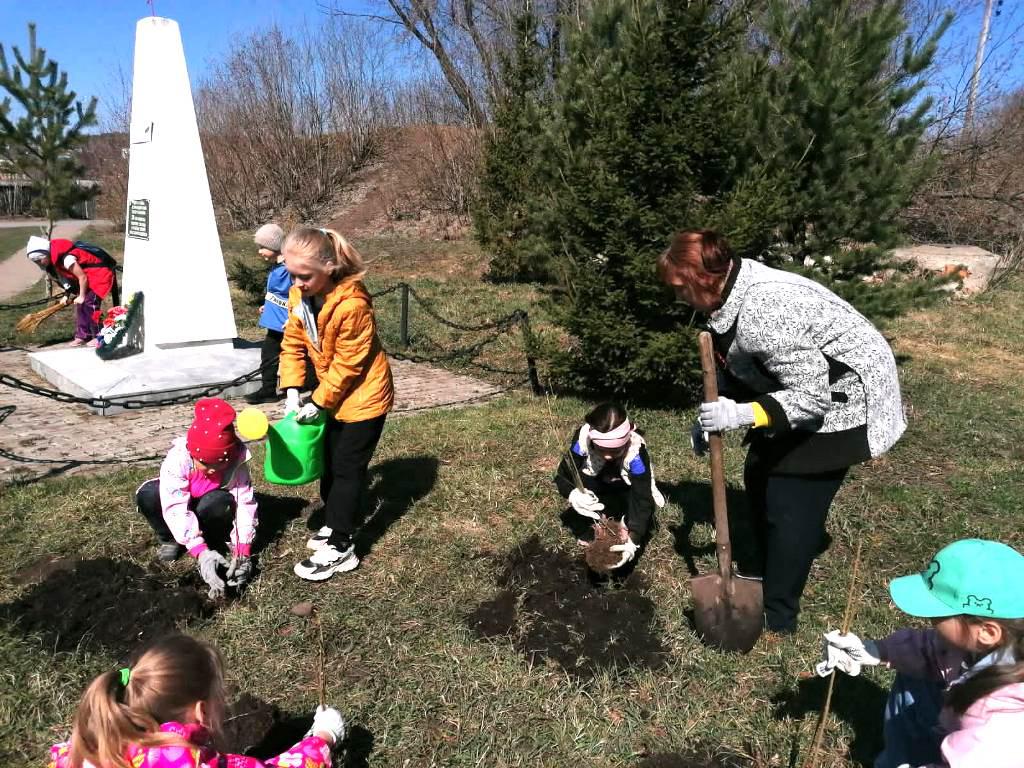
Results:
838 115
645 140
510 153
42 141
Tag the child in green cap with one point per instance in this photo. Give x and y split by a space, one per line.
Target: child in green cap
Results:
958 697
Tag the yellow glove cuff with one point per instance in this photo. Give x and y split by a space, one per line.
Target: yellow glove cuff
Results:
761 417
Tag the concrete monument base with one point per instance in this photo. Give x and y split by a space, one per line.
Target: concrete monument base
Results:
152 375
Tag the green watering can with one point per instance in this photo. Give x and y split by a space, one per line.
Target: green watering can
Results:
295 452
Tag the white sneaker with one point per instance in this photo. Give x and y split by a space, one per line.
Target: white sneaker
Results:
319 539
326 562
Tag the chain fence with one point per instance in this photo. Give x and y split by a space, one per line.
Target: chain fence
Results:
463 356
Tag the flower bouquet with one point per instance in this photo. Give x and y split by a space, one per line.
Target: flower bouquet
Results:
121 332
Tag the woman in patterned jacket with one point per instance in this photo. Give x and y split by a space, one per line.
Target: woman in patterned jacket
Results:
815 383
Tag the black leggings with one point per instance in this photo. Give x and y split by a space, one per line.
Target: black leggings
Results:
780 533
214 510
348 448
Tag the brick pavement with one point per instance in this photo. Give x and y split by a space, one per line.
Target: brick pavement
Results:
44 428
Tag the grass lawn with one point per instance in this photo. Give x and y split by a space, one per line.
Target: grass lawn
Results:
469 637
13 239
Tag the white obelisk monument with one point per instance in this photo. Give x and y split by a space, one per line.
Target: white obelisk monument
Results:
172 251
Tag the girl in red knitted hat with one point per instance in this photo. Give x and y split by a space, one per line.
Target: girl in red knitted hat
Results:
204 497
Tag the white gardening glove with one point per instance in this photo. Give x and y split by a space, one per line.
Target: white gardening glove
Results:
239 572
586 503
209 561
724 415
628 549
699 440
291 401
328 721
308 413
847 653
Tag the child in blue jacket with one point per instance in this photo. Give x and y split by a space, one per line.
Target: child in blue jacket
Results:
274 312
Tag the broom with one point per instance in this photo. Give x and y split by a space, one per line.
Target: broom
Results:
32 320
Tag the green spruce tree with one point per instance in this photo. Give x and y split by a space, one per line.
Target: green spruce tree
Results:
507 175
41 136
839 113
646 139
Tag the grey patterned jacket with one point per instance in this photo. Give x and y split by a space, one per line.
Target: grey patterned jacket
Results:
811 360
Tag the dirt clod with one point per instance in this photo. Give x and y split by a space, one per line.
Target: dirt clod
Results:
303 609
550 610
607 533
106 604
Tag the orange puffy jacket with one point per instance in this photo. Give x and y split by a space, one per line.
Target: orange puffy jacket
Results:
355 378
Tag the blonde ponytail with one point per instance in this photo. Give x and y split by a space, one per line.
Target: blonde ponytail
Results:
330 248
165 683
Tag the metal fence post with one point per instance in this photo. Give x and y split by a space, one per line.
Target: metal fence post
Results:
531 361
403 323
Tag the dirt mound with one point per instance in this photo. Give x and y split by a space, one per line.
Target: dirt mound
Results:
607 533
259 729
105 604
551 610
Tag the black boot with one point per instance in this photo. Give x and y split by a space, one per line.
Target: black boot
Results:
262 396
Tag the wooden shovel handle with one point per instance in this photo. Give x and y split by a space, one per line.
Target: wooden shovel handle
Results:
722 544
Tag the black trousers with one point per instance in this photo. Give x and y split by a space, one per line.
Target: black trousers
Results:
271 349
780 533
348 448
214 510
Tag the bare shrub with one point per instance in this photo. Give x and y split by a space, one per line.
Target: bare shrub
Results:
287 122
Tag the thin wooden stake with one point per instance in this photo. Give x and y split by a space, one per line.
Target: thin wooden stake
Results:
819 731
322 665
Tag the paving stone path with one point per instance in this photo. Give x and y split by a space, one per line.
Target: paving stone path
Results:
44 428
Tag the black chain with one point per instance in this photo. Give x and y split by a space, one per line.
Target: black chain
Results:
132 404
386 291
502 323
36 303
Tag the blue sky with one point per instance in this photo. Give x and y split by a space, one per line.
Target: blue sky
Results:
92 38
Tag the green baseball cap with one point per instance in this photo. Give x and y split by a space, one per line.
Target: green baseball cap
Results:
972 576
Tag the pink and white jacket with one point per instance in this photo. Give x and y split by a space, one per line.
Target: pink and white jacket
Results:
311 752
175 495
989 733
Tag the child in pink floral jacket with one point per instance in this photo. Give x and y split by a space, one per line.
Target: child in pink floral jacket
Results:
163 712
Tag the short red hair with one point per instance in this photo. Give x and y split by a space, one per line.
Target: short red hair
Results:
698 258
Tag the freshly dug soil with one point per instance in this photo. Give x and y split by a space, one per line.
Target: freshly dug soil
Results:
607 533
106 604
679 761
259 729
550 610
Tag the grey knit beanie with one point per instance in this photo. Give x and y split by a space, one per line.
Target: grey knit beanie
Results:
269 236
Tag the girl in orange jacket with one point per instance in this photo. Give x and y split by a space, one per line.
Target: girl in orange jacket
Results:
331 323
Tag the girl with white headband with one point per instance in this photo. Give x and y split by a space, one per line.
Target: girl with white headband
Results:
615 469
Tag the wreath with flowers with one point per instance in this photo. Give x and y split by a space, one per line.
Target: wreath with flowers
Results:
121 332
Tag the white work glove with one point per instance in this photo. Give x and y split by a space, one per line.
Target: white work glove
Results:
291 401
699 440
586 503
239 572
847 653
628 549
724 415
209 561
308 413
327 720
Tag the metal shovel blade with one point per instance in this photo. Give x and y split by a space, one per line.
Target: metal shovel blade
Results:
729 613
